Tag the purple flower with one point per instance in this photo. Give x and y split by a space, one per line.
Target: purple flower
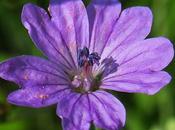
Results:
89 50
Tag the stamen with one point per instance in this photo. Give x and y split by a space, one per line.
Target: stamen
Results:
86 51
82 56
86 59
94 58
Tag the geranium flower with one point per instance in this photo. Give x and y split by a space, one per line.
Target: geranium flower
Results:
89 50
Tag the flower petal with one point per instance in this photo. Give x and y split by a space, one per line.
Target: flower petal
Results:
101 108
42 81
152 54
70 17
134 24
139 66
107 111
31 71
37 97
46 36
137 82
74 110
103 15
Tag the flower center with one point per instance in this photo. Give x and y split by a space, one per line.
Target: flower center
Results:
87 81
84 81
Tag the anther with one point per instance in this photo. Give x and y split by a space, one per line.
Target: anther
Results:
85 58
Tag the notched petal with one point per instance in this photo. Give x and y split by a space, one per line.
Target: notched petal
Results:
30 70
46 35
107 111
134 24
138 82
36 97
75 112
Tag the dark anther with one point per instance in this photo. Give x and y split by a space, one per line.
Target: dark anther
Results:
82 56
85 51
81 62
94 58
85 57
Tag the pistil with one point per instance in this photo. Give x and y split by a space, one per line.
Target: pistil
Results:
83 81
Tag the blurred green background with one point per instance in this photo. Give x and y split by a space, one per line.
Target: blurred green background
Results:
143 112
